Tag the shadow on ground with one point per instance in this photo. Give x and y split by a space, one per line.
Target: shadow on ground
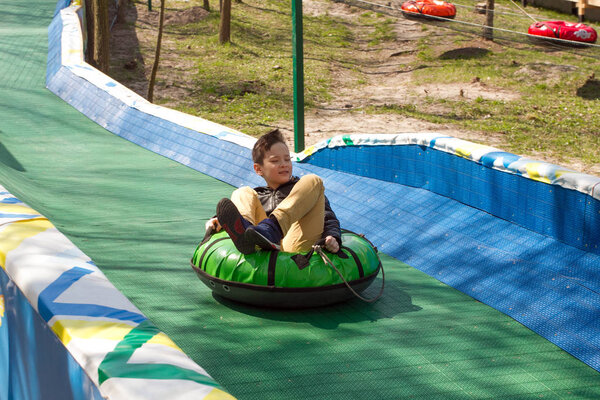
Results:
395 301
7 159
590 90
465 53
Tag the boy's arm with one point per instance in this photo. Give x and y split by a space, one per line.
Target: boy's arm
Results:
332 224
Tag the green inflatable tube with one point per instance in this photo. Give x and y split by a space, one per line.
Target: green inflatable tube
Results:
286 280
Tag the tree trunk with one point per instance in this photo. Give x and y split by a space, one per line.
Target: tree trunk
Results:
89 32
102 33
489 20
122 11
157 54
205 5
225 26
98 34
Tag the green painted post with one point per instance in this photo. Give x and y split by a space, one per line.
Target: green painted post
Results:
298 61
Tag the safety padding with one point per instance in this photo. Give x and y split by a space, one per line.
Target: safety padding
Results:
120 350
546 198
481 154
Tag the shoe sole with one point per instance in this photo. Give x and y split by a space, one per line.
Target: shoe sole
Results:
255 237
231 220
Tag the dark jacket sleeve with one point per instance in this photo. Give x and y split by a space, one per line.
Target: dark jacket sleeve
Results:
332 224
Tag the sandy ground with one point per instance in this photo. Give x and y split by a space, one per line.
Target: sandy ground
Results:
388 83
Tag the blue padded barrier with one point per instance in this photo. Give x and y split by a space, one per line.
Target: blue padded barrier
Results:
547 285
33 373
60 4
53 62
567 215
163 137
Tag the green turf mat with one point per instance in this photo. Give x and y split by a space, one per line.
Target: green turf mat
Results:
139 216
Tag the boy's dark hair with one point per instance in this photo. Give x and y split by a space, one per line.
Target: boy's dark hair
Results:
264 144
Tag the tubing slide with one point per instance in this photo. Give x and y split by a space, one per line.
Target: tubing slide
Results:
491 260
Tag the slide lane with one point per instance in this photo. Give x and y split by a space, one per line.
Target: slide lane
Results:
139 216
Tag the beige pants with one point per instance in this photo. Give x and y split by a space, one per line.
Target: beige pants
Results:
301 215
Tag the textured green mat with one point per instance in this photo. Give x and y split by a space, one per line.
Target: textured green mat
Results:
139 216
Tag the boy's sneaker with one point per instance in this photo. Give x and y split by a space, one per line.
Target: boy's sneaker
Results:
267 234
235 225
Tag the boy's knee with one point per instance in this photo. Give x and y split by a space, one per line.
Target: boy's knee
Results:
243 192
244 197
313 180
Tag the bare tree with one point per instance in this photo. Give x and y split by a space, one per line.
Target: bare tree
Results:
161 22
225 25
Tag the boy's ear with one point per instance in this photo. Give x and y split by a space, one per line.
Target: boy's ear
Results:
258 168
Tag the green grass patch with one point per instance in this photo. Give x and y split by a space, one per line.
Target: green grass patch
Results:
556 113
248 83
534 124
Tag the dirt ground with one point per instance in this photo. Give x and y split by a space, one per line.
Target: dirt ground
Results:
388 81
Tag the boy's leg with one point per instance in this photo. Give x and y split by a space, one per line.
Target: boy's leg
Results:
301 215
246 223
247 202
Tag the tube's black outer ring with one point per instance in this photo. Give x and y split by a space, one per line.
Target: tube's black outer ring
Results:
284 297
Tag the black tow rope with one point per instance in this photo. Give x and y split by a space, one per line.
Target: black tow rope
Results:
207 235
303 261
318 248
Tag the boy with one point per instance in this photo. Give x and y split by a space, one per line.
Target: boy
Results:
290 213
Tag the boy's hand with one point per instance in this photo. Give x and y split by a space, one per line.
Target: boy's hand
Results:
331 244
214 224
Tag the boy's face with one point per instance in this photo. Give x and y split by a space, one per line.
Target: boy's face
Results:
276 168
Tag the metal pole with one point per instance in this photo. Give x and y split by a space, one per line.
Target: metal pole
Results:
298 61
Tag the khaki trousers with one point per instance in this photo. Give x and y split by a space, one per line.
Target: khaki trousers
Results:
301 215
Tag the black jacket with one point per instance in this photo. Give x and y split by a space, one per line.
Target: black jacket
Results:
270 199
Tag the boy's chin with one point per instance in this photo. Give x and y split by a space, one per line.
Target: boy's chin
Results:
283 179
